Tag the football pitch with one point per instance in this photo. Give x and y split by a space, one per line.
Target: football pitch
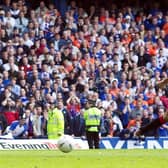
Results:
135 158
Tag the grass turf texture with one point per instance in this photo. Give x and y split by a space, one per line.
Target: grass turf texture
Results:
85 159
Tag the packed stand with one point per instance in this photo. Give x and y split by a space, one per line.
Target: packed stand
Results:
113 56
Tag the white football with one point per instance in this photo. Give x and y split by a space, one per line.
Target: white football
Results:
65 143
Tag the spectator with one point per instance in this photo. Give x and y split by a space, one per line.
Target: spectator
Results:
104 53
23 97
14 10
126 109
117 124
162 131
10 21
29 121
15 87
6 78
114 90
21 22
79 125
73 108
37 122
106 128
11 65
134 124
2 87
3 123
147 117
42 8
18 128
9 110
138 109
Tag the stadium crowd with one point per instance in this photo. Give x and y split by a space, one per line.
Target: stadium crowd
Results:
114 56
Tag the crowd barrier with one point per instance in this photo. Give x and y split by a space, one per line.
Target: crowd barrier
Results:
105 143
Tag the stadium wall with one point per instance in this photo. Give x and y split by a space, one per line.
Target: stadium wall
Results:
105 143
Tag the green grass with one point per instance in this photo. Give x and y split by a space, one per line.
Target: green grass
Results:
85 159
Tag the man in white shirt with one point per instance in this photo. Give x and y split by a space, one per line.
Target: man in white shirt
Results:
9 20
21 22
11 65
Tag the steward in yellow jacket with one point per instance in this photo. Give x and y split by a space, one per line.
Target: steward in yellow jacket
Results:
55 124
92 116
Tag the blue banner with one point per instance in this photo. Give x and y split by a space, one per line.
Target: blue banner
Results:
148 143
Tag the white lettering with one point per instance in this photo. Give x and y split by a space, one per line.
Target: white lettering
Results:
119 144
107 144
153 144
134 145
165 144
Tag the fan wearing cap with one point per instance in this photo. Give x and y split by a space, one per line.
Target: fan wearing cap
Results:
92 116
